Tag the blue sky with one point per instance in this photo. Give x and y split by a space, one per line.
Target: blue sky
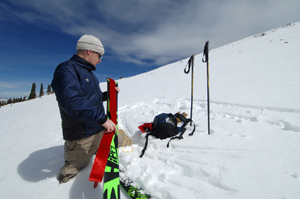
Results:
138 36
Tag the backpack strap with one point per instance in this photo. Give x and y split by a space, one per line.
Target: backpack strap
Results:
146 143
182 118
179 136
182 129
185 122
173 117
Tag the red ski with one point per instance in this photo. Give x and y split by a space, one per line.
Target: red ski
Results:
100 161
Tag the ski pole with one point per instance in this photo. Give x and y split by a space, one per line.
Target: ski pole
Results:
205 59
187 70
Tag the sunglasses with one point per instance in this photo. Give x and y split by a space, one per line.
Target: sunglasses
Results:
100 56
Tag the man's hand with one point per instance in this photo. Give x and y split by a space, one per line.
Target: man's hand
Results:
117 89
109 126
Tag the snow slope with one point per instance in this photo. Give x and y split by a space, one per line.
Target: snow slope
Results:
253 151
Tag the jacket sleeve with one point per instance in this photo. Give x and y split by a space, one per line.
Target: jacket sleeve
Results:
70 97
104 96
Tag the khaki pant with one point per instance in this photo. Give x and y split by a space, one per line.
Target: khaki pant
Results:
79 152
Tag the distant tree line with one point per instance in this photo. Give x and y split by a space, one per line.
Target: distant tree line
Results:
32 95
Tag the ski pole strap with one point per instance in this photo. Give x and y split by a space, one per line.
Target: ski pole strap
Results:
205 53
146 143
189 65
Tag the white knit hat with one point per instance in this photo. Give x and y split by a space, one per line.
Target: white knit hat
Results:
89 42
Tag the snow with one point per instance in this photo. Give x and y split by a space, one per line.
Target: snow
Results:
252 152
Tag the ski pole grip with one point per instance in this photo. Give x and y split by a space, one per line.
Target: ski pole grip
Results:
205 52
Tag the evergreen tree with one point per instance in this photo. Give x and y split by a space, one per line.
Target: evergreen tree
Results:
2 103
49 91
32 94
41 90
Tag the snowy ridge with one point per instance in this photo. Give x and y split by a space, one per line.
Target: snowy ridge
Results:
3 99
253 151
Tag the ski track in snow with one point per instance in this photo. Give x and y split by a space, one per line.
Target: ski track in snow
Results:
190 162
195 166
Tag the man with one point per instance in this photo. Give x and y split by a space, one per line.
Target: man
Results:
80 102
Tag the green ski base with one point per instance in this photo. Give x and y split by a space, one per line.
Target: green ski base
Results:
111 185
133 192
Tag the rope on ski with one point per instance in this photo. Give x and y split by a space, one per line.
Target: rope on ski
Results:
126 140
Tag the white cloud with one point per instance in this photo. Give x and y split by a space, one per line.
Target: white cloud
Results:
14 94
7 85
159 31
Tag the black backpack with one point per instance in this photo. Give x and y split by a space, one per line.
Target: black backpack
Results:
165 126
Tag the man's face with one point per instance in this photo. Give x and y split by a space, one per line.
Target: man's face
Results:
95 58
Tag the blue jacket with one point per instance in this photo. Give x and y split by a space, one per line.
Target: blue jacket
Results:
79 98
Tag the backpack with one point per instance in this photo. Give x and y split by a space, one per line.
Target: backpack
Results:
165 126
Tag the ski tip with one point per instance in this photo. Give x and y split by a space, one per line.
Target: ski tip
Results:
111 80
